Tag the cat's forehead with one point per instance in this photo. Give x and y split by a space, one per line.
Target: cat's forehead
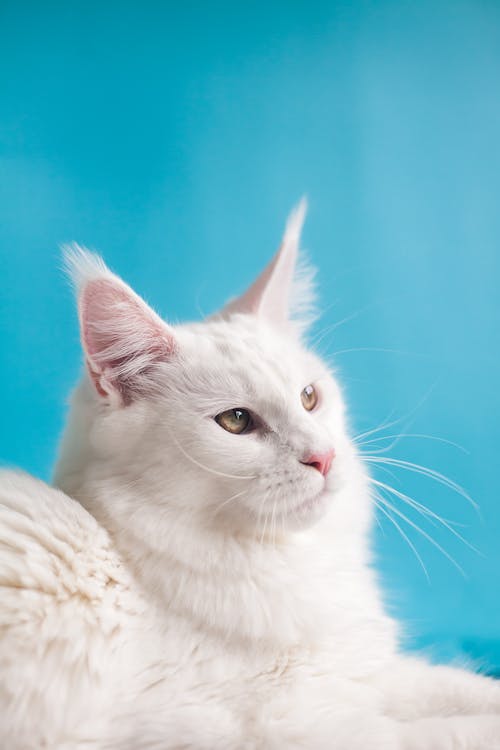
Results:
251 352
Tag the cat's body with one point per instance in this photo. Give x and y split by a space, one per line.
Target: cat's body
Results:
146 678
208 589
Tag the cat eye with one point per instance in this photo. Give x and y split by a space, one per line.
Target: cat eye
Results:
309 397
236 421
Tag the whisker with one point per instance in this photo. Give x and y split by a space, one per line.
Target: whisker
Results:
358 438
329 329
388 471
424 511
385 423
261 508
207 468
264 528
403 534
373 349
427 536
424 471
273 525
396 439
229 499
377 519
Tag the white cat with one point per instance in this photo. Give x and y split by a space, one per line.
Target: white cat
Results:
205 582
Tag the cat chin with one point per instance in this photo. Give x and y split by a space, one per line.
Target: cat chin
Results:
297 518
310 511
308 506
304 515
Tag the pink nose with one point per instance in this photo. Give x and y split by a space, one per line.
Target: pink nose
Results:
320 461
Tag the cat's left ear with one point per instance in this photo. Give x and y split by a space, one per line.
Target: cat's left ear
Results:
122 337
283 293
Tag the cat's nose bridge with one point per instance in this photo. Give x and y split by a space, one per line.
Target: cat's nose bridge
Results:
312 450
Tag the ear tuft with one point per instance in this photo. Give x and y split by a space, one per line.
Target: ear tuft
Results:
82 266
123 338
284 292
302 305
294 224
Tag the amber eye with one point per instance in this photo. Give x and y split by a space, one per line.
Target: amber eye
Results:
309 397
236 421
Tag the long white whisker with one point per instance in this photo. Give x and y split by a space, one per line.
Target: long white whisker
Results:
229 499
424 471
207 468
333 327
405 536
264 528
395 510
423 510
259 516
396 438
388 471
424 398
372 349
273 525
385 423
377 521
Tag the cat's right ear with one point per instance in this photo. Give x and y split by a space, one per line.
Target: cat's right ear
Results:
122 337
284 293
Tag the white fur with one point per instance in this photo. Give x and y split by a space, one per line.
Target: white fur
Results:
203 589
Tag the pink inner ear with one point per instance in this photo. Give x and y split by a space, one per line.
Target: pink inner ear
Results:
269 295
122 337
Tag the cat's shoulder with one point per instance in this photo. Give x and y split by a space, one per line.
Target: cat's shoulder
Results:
52 551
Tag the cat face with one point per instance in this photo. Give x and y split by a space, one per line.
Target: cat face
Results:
232 419
240 426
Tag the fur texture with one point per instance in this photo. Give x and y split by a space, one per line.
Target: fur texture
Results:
188 587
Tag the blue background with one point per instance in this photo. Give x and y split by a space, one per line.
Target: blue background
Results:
175 138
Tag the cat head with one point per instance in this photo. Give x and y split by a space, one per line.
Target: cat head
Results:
231 420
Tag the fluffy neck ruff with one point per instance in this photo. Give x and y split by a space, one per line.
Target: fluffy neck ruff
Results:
275 588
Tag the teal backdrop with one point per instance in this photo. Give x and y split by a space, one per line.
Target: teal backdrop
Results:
175 137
